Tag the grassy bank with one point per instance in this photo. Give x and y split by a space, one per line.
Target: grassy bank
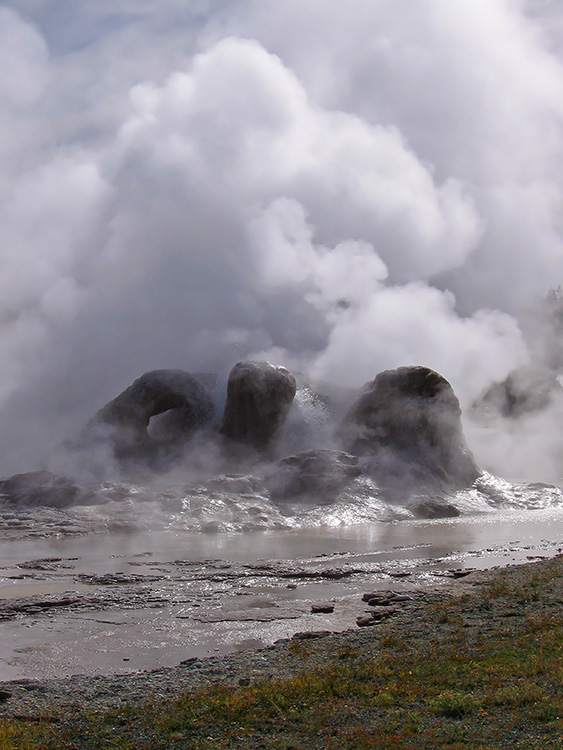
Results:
481 671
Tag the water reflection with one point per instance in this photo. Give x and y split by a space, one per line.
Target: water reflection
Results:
144 600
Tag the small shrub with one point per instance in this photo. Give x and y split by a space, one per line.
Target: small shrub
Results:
545 711
384 698
452 704
518 695
453 732
390 640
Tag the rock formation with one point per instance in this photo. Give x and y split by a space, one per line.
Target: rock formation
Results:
184 399
317 476
525 390
41 488
403 436
432 507
407 423
259 396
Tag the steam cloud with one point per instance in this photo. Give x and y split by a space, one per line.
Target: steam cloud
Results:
339 189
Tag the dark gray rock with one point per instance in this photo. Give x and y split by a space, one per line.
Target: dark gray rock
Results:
375 616
184 401
385 598
464 572
525 390
259 396
41 488
382 613
363 621
407 425
312 476
432 507
308 635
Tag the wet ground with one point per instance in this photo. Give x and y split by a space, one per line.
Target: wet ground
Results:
116 603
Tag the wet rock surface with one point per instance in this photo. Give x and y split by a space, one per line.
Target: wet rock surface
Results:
42 488
312 476
276 661
432 507
62 616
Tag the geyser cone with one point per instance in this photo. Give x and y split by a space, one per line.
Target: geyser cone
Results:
125 420
259 396
407 423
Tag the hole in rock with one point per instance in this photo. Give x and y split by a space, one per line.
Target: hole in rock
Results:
168 426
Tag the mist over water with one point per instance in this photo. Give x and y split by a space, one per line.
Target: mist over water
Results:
337 190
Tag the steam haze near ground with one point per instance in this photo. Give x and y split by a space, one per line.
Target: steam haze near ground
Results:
337 188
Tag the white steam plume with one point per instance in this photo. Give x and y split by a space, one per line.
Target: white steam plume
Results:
342 189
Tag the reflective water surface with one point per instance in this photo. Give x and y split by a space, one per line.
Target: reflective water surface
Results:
119 602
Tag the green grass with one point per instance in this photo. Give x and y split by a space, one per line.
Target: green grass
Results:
451 687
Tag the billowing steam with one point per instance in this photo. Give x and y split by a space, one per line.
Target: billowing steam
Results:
337 188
